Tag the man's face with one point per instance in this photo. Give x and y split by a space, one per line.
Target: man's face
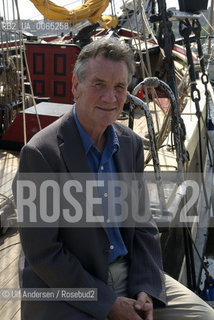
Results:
102 93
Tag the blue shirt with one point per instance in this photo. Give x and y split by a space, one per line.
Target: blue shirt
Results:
104 164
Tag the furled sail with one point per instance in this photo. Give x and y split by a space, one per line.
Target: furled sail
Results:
91 10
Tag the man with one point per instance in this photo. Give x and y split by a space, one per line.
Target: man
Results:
123 264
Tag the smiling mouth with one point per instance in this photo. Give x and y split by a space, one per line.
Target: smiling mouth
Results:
107 109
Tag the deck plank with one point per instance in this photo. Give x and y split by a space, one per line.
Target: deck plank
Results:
13 284
9 254
17 315
10 310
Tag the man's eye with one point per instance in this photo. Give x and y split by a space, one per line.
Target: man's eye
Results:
99 85
120 87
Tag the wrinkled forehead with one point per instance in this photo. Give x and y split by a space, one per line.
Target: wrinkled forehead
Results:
100 66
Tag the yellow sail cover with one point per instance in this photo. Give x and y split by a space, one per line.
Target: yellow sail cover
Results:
91 10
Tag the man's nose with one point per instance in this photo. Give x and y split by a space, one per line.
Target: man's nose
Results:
109 95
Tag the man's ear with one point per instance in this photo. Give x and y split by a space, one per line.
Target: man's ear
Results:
75 84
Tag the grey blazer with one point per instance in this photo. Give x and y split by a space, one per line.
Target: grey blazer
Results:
78 257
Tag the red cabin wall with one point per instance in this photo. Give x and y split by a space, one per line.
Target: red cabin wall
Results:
51 67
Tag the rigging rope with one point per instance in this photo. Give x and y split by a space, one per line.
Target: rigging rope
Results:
185 29
16 45
22 73
148 62
23 53
207 21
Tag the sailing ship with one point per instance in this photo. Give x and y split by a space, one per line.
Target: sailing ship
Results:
168 106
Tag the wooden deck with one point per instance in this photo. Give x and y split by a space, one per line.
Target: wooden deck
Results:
9 242
9 254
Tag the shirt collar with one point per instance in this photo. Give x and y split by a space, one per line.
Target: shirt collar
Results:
112 142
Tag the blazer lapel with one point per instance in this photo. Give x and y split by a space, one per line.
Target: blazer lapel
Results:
124 155
71 146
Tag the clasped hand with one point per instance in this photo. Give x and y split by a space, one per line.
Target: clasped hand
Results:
131 309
